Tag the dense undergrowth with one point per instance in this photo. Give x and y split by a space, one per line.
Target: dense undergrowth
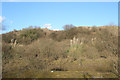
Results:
44 50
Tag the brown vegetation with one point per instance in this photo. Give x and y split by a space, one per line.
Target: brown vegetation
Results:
45 50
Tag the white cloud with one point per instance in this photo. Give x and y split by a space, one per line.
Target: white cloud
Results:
55 29
48 26
1 19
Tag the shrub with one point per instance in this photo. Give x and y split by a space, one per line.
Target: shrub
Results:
29 35
44 51
71 33
6 51
76 51
53 35
7 37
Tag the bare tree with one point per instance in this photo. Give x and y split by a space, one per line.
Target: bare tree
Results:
68 26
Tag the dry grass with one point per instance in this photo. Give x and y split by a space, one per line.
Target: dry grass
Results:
53 51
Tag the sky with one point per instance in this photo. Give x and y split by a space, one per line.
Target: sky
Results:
54 15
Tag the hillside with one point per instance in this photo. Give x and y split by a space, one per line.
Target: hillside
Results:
84 51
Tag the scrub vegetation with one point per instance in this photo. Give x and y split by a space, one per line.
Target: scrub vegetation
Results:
75 52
